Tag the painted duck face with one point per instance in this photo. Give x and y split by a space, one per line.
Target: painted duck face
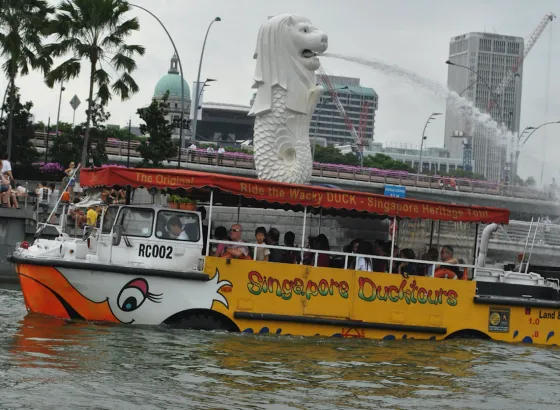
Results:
145 300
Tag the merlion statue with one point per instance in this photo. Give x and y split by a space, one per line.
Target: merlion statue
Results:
287 94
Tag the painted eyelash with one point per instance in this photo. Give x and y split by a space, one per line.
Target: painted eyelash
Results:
156 298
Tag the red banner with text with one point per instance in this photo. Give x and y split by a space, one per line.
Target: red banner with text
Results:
304 195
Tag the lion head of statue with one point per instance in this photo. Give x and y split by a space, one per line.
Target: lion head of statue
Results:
286 54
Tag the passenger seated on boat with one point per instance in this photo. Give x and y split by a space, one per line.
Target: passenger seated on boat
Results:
450 272
290 256
236 251
322 244
176 230
406 268
352 247
220 234
273 239
381 249
308 257
426 269
363 263
260 236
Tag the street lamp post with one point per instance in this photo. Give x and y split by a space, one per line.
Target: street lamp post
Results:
432 116
197 98
525 141
58 115
481 78
195 118
515 155
182 78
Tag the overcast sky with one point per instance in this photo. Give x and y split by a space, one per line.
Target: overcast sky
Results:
413 34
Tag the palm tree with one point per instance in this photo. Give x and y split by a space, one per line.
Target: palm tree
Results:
95 30
22 25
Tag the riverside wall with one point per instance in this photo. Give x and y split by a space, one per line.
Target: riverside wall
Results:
16 225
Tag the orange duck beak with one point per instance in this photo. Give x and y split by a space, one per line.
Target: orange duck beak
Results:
48 292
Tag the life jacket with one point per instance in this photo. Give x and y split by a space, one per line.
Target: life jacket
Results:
444 272
450 272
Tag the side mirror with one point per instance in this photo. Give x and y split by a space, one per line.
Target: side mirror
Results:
117 234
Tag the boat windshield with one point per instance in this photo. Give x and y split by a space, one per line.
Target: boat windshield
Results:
178 226
136 221
109 219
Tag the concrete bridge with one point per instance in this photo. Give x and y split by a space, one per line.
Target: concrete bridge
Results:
523 202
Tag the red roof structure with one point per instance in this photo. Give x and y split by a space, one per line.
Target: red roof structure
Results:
292 195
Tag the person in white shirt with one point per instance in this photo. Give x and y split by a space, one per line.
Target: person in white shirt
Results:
5 190
192 149
7 167
364 263
43 197
210 152
21 190
175 229
221 152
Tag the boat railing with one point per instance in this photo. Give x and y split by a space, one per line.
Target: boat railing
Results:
346 255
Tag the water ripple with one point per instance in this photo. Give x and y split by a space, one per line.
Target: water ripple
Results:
45 361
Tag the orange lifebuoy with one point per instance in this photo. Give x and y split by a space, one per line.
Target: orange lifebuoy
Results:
444 273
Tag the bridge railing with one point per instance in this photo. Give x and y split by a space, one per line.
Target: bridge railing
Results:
336 171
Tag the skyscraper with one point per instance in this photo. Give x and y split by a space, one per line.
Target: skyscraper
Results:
492 56
358 102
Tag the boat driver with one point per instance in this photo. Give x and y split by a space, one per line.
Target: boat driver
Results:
176 229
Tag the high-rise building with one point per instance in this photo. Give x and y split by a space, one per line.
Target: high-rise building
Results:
328 125
492 56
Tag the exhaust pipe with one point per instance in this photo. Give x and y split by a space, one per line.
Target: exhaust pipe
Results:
484 240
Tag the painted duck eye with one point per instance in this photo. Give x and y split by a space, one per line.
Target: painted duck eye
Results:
134 294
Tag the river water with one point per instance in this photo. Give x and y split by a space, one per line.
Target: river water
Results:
52 364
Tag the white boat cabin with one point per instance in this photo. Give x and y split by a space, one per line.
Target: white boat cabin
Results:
150 236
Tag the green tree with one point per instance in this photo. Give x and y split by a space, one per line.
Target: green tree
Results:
23 151
22 25
99 135
332 155
382 161
530 182
66 146
159 144
96 31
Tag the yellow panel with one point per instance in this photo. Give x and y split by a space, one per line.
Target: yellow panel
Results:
327 292
299 295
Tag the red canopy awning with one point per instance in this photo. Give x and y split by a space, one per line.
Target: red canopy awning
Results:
291 194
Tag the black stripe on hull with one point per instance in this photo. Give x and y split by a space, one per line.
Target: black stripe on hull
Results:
339 322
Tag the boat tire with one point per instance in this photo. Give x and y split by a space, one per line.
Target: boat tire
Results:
468 334
201 321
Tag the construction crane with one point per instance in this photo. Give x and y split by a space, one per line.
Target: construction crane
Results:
363 126
528 46
324 78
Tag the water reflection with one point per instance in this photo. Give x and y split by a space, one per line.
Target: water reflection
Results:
43 361
54 343
340 367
